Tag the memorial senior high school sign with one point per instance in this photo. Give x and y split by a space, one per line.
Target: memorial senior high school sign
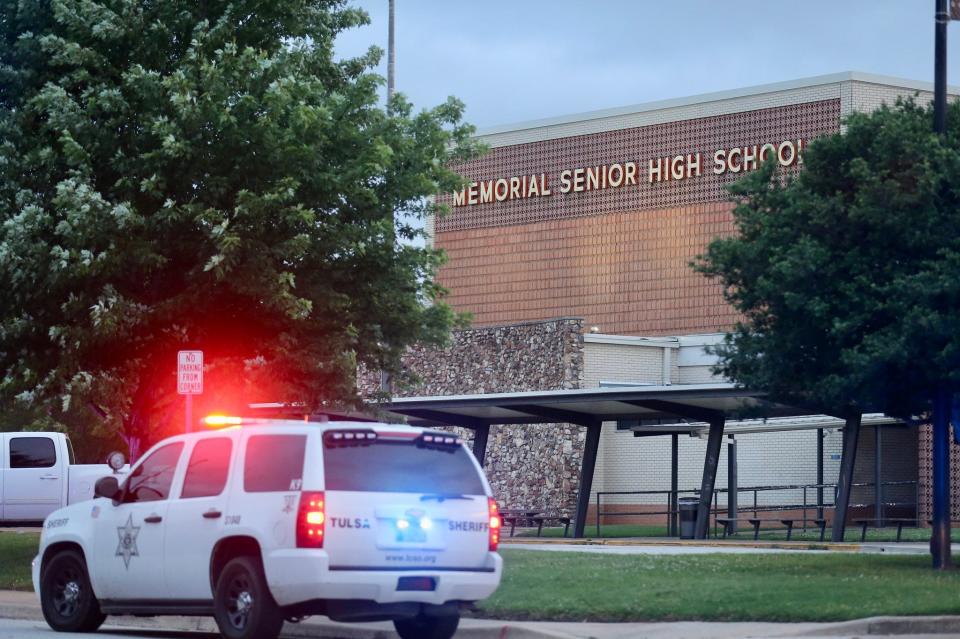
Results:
628 174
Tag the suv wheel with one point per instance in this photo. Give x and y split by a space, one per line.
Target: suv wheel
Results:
424 627
66 597
243 605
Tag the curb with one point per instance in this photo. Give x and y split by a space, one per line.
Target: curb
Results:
469 628
891 626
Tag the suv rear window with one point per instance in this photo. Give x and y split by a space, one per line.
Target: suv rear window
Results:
274 463
400 467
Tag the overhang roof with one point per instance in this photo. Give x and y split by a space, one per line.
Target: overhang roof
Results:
696 402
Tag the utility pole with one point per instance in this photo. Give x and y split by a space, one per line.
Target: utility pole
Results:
391 55
940 535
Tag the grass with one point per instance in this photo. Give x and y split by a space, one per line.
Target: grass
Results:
588 586
17 550
809 587
610 531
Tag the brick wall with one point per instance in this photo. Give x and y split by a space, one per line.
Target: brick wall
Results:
627 273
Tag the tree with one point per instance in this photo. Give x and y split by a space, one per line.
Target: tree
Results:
848 277
180 175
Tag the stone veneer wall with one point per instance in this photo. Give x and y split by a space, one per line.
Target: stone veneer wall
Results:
531 466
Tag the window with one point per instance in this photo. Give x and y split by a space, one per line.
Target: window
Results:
32 452
400 467
207 471
274 463
151 480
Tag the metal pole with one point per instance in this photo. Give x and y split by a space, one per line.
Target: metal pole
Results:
941 17
674 483
940 536
877 477
820 473
851 435
188 414
710 462
732 481
586 477
391 54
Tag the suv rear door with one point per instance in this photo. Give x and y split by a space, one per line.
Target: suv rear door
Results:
399 503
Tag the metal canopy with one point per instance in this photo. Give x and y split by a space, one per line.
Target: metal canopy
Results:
704 409
695 402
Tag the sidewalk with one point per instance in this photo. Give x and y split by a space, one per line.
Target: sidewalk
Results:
672 545
24 606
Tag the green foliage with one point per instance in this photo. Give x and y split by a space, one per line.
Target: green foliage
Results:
207 175
848 277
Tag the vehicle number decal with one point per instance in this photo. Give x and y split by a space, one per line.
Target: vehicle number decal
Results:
57 523
127 546
295 484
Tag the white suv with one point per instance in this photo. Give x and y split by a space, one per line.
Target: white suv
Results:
270 520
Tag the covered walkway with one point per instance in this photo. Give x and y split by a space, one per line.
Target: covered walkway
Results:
702 407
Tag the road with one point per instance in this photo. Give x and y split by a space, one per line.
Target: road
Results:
21 629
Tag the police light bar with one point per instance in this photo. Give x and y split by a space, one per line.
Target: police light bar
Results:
222 420
353 437
440 441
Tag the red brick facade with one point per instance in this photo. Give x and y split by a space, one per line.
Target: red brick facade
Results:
618 257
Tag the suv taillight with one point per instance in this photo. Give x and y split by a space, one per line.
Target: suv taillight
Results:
494 527
311 517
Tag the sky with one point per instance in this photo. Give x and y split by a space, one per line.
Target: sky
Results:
512 61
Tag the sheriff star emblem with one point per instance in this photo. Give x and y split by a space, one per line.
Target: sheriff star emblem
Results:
127 547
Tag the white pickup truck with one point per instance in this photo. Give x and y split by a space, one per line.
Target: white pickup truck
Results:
38 476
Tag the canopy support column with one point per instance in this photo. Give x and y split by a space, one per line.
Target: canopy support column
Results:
819 473
586 477
732 480
851 435
480 436
674 503
712 458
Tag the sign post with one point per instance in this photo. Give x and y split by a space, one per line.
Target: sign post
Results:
189 381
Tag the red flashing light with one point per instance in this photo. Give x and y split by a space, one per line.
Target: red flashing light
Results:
495 523
311 517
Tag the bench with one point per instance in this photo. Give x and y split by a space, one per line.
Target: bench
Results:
516 516
886 521
729 522
560 519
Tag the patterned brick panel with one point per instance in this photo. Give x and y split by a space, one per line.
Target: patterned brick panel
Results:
925 464
627 273
639 145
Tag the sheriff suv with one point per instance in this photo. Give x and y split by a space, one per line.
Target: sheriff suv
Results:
265 520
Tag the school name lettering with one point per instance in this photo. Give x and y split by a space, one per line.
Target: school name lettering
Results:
625 174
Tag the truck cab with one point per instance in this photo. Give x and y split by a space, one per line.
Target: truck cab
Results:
38 475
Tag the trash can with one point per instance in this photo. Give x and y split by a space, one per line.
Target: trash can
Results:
688 516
